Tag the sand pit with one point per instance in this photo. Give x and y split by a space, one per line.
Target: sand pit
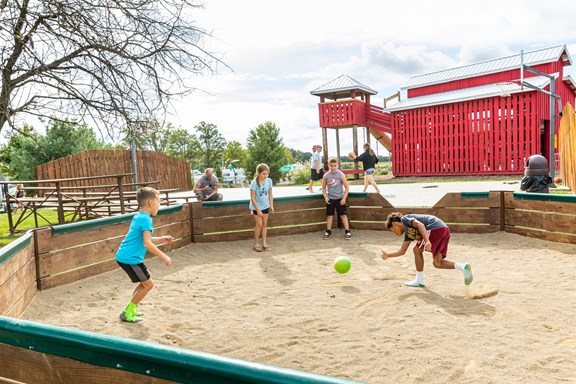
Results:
516 322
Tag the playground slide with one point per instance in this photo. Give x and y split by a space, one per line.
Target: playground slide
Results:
383 138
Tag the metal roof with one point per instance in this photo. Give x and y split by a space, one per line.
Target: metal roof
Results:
465 94
540 56
341 84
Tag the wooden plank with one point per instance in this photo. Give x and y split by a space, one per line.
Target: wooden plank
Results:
60 261
79 274
365 225
24 301
461 215
544 206
469 228
246 221
368 213
543 235
48 243
15 287
200 211
272 232
15 263
547 221
455 199
27 366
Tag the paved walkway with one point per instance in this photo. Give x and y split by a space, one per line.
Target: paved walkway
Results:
399 195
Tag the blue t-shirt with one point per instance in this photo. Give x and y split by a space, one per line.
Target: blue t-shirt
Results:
334 186
132 250
261 195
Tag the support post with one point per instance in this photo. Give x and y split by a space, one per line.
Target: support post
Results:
325 146
60 203
338 144
8 208
121 194
355 144
552 131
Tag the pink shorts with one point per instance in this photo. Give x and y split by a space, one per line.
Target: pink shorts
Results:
439 238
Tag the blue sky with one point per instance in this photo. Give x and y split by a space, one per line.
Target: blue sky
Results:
280 51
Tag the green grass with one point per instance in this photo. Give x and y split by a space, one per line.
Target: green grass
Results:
6 237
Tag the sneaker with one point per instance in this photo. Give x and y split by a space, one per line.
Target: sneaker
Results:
414 283
468 274
307 188
327 234
130 318
348 235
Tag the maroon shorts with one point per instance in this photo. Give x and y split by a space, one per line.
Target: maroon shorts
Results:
439 237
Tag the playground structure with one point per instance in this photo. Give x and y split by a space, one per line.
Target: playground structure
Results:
50 257
485 118
345 103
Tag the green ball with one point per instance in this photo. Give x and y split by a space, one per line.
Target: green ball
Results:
342 264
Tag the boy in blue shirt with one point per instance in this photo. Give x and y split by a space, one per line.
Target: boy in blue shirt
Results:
138 240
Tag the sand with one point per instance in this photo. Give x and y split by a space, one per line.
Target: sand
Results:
514 324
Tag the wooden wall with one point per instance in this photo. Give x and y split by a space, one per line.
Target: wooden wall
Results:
17 276
65 257
152 166
71 252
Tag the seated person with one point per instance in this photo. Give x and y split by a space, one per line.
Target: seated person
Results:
206 187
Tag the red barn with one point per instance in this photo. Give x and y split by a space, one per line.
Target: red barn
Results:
455 122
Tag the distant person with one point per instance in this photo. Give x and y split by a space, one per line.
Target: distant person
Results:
206 187
335 190
431 235
369 161
316 167
20 193
138 240
261 205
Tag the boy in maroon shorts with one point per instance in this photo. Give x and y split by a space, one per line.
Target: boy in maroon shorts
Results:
432 235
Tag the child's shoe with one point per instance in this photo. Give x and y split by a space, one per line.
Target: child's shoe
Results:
327 234
414 283
468 274
347 235
129 317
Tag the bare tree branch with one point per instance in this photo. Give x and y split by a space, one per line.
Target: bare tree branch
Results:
109 63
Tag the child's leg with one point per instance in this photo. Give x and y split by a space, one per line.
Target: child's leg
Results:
264 230
419 263
257 231
140 294
365 182
345 222
373 182
441 263
329 220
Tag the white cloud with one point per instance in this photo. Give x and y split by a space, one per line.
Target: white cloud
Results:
281 51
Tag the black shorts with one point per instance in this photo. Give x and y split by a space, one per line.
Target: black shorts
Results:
264 211
335 206
137 272
315 176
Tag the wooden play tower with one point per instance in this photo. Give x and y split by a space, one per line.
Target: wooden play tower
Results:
345 103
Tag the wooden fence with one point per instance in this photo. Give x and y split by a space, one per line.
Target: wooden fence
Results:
169 171
63 254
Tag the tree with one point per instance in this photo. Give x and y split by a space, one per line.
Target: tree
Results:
300 156
211 145
234 151
182 145
104 62
264 145
61 139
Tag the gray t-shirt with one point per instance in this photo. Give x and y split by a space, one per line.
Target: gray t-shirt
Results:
334 187
430 222
315 156
205 182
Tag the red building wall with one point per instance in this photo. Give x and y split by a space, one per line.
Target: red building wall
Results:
484 136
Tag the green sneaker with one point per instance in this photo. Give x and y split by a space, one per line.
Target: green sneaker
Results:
136 313
468 274
130 318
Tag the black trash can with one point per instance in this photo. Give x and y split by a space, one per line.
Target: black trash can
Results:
536 175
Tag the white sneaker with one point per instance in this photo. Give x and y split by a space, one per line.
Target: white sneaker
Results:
414 283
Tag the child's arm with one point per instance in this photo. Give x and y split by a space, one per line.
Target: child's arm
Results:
162 239
346 188
405 244
153 249
422 229
324 190
271 199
